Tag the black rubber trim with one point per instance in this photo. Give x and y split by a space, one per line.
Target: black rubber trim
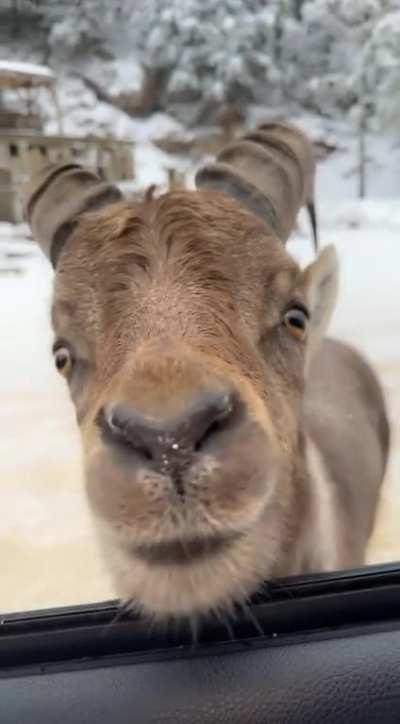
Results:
94 635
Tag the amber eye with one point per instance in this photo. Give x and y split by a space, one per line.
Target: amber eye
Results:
63 360
296 321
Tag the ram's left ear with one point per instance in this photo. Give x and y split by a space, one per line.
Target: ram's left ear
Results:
319 282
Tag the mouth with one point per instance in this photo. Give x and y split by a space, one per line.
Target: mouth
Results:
181 552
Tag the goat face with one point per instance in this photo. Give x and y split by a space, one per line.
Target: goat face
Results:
182 330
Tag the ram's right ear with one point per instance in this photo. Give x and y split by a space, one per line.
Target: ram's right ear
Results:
54 198
320 281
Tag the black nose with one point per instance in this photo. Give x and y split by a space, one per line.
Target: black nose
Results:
172 443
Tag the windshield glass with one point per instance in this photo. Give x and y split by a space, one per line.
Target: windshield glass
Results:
146 94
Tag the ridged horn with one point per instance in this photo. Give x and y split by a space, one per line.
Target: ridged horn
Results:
54 198
270 171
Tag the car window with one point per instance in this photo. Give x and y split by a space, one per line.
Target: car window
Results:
150 94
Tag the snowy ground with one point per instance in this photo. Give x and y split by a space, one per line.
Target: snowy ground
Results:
48 555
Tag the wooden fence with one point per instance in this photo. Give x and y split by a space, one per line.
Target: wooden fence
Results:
23 152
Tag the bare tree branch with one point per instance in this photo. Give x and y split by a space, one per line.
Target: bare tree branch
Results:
141 103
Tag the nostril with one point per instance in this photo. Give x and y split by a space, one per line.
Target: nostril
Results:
219 416
209 433
117 428
140 449
169 444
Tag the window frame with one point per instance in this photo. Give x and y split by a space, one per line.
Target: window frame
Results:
99 634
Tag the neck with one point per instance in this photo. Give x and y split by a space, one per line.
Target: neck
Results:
314 530
322 534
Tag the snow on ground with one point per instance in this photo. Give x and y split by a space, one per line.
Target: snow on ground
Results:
48 551
48 556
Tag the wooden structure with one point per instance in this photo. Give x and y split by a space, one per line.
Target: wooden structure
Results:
26 79
176 179
24 146
21 153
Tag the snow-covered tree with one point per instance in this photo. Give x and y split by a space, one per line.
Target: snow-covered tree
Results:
216 51
383 67
327 58
77 27
338 58
323 52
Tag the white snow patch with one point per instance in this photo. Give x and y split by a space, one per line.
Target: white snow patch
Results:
26 68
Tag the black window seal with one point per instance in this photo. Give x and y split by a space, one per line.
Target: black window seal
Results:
95 635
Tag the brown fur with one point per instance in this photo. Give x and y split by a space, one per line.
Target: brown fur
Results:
164 302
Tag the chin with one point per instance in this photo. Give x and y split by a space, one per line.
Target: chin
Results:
191 580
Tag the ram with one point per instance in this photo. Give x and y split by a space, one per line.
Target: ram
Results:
226 441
